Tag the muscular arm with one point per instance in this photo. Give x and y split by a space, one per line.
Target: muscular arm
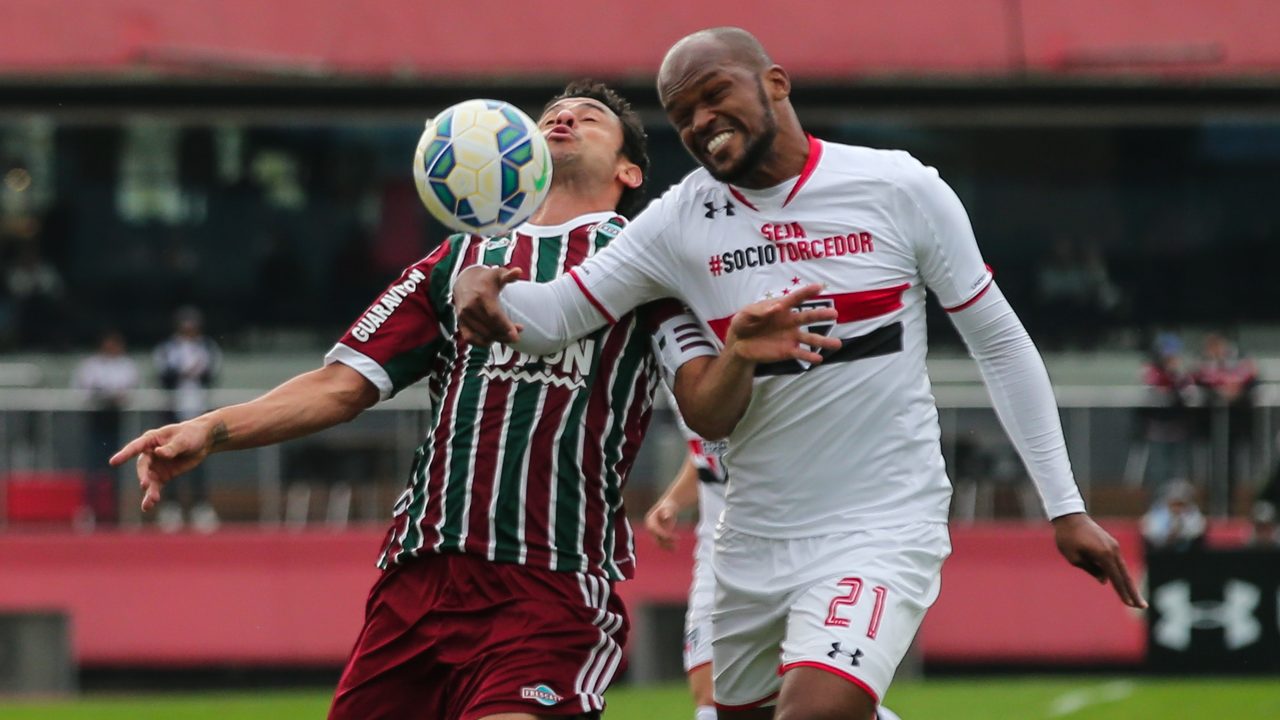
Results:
1023 398
714 393
1020 390
303 405
552 314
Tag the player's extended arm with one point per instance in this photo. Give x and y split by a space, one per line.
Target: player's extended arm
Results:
681 493
714 394
1018 382
307 403
534 318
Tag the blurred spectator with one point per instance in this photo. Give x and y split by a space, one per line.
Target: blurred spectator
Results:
1265 532
1166 422
1229 381
188 364
108 376
1075 294
1174 522
35 293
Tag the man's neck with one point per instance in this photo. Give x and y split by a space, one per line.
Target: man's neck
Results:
561 206
786 159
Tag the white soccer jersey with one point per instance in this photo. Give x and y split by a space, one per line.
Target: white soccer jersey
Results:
854 442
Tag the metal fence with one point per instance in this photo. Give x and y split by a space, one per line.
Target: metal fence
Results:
354 472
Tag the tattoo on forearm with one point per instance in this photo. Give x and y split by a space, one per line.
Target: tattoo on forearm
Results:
220 435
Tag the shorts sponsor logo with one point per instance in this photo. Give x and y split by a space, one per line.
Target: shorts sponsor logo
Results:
839 653
540 693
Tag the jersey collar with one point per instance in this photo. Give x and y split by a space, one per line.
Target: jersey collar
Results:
810 164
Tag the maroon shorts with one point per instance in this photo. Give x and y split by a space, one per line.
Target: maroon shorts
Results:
455 637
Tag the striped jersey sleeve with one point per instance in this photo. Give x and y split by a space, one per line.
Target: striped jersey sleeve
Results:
395 342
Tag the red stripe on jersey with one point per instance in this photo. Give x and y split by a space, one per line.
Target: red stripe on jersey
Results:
810 164
543 444
438 467
592 298
850 307
493 427
977 297
484 478
638 416
739 197
543 447
579 240
595 422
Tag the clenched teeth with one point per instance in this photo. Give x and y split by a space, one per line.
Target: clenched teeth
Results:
720 139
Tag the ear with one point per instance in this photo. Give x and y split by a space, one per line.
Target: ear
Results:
777 83
629 173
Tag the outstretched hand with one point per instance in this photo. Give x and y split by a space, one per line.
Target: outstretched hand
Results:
1087 546
481 319
774 330
165 453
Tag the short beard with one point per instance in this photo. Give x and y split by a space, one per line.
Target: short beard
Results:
754 153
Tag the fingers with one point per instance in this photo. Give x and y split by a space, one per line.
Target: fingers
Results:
800 318
826 342
1123 583
138 445
508 276
796 297
481 319
150 496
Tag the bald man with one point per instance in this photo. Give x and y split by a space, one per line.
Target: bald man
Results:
834 533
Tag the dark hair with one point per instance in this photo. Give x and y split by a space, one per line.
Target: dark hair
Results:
635 144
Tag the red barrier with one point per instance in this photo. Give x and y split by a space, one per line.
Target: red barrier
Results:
1008 596
260 597
842 39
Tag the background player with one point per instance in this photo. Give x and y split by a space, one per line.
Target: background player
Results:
699 482
853 444
512 524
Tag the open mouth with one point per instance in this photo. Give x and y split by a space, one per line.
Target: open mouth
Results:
717 141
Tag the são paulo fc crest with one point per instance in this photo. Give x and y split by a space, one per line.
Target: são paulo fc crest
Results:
541 693
823 327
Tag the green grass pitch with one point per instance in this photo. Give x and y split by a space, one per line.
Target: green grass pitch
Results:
1091 698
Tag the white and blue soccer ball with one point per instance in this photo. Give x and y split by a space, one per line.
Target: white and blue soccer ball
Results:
482 166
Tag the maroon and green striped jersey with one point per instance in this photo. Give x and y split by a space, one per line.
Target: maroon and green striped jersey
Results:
526 456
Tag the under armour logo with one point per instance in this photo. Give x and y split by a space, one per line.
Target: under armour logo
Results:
1234 614
853 656
727 209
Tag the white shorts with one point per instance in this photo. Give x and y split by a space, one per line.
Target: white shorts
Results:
702 595
849 604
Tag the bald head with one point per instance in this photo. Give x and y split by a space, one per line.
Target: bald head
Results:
721 45
731 107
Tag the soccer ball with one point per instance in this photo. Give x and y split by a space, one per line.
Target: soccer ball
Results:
482 166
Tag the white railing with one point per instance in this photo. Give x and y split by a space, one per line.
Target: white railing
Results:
1098 421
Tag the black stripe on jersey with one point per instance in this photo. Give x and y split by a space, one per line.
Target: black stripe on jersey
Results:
881 341
706 476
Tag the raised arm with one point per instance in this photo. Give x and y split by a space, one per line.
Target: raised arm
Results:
305 404
534 318
713 393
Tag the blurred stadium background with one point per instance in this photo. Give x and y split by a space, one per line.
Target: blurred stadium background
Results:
1120 160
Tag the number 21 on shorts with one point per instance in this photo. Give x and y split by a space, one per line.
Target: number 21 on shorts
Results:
854 586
